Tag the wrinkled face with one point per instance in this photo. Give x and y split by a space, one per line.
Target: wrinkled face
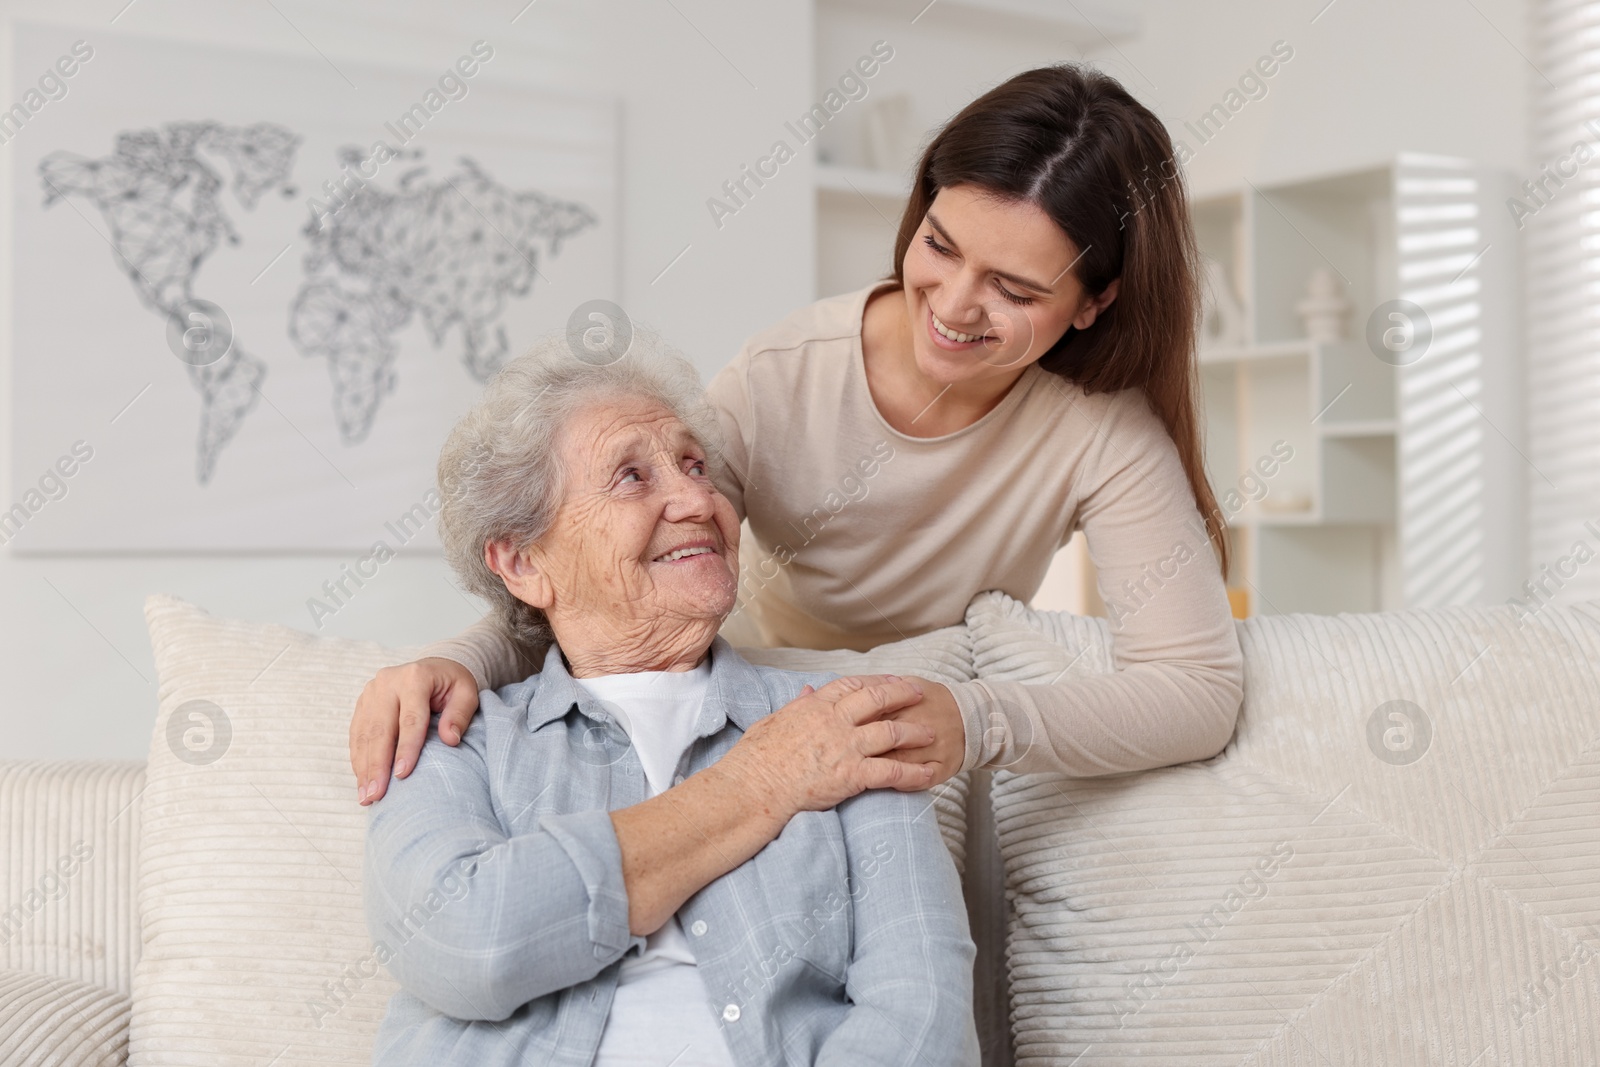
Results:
988 286
644 549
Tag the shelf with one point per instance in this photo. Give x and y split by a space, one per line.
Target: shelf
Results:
882 184
1250 353
1085 23
1361 428
1309 517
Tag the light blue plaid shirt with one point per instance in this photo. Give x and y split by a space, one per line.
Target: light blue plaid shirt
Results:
494 895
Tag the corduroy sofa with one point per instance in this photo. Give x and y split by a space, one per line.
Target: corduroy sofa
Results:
1396 860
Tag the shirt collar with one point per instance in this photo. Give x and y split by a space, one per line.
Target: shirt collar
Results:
735 692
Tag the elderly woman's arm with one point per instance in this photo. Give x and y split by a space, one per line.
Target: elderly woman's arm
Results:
910 980
819 749
478 923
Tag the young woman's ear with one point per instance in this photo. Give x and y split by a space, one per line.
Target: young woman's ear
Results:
521 572
1093 306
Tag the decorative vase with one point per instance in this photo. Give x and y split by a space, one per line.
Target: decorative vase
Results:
1324 308
1223 323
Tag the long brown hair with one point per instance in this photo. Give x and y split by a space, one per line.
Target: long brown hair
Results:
1074 142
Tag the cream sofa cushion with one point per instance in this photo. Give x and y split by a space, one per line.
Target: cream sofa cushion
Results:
1353 880
57 1022
255 944
256 949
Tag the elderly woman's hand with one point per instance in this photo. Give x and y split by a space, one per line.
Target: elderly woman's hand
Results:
392 714
829 744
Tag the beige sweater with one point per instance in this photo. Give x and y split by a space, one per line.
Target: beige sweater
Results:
859 534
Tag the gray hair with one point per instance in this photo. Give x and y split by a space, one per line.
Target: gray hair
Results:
500 476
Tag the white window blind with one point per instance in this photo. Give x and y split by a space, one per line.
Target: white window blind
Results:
1562 262
1439 253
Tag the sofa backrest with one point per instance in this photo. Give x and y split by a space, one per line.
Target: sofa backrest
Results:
1398 849
1394 860
69 834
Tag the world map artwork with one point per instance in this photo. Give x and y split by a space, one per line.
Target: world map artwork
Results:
451 250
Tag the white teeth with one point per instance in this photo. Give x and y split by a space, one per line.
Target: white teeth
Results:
682 553
954 335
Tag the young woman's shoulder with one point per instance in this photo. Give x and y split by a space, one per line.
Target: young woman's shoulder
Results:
800 363
1105 430
822 331
1123 410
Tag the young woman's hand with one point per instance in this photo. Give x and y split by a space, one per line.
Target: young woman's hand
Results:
829 744
938 711
391 719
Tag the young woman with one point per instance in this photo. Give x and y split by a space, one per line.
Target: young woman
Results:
1026 371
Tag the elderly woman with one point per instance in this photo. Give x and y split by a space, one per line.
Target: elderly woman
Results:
606 870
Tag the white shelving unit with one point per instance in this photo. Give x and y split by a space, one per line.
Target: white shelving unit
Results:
858 210
1403 488
833 179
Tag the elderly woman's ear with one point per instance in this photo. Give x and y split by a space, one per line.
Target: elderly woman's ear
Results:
525 578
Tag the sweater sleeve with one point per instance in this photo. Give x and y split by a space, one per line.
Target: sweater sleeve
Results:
1175 693
487 651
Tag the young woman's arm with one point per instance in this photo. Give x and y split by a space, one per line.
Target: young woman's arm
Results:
1176 691
488 652
391 718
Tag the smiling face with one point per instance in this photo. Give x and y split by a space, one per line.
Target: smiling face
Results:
989 287
639 566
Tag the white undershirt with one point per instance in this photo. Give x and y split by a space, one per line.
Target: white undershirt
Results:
661 1009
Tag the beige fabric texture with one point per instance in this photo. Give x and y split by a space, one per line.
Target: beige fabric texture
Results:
861 535
1309 896
69 835
57 1022
256 950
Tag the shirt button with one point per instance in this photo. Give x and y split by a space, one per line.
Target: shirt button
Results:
731 1013
677 780
699 928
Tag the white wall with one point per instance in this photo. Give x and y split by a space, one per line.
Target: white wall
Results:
79 679
1369 78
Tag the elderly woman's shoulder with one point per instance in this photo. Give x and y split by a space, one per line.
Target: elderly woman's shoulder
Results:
781 685
509 702
514 692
